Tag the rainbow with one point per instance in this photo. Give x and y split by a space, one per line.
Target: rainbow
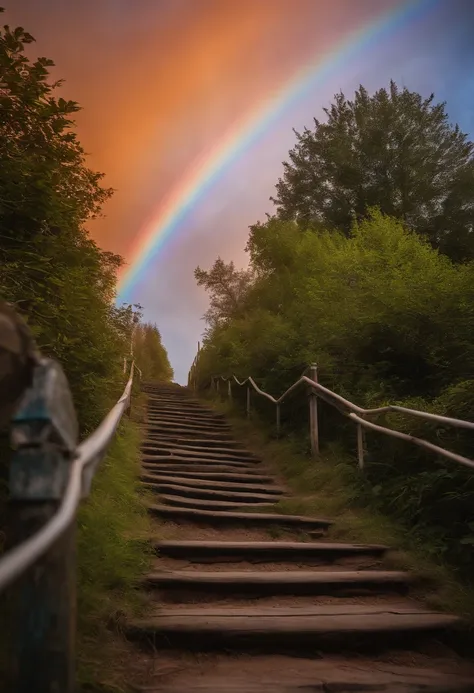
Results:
240 136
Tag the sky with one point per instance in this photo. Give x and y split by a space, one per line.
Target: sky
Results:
188 109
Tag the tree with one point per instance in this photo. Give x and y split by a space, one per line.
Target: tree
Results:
394 150
227 288
150 354
50 269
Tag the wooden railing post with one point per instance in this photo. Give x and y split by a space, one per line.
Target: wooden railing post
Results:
360 445
248 402
278 420
41 604
229 390
313 412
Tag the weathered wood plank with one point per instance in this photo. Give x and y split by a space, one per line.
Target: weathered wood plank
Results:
265 550
183 502
300 582
200 492
239 518
213 485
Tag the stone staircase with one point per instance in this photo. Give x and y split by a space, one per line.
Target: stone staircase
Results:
248 599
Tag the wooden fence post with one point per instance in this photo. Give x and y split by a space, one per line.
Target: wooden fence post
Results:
313 412
278 420
360 445
41 603
248 402
229 390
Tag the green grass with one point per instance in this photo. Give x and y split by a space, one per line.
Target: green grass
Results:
332 487
113 554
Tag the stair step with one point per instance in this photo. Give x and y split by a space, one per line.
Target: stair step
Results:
280 629
184 423
297 582
181 440
179 410
221 486
181 430
239 518
210 453
193 419
151 463
196 450
196 492
193 462
195 503
243 478
268 551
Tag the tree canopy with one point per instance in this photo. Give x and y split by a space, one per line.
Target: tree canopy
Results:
150 354
367 270
395 150
50 268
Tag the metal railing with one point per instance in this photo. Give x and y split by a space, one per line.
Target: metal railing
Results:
50 473
347 408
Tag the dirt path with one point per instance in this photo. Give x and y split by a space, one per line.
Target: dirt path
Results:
237 610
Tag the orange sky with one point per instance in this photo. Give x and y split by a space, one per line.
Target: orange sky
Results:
160 81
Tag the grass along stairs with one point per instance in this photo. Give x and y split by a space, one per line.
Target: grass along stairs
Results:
235 609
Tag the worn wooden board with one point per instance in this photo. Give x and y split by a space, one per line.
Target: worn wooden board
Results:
266 550
197 449
207 442
198 467
239 518
196 492
238 476
210 485
210 453
183 502
299 582
341 628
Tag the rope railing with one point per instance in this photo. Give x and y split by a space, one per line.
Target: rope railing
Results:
352 411
50 473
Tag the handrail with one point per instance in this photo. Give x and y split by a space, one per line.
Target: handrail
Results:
84 465
355 413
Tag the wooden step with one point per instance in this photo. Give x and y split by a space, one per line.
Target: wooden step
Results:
193 462
179 409
244 519
189 472
191 426
242 683
187 419
181 440
221 486
225 673
181 430
282 629
269 583
183 502
197 450
212 494
150 463
211 453
265 551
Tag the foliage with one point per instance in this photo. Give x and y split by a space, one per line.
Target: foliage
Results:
150 354
395 150
64 285
50 269
227 287
388 319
